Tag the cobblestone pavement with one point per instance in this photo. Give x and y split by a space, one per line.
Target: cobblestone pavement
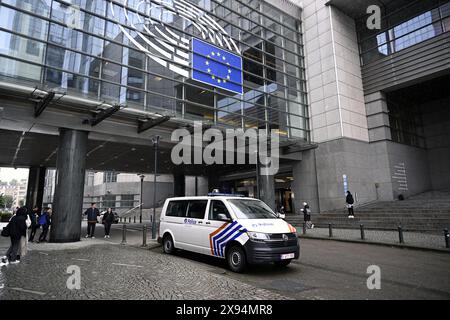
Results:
426 240
120 272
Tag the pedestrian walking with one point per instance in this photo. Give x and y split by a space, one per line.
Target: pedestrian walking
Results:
350 201
92 213
15 230
107 220
307 215
35 214
45 221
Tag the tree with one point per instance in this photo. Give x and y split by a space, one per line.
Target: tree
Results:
2 201
21 203
13 182
9 201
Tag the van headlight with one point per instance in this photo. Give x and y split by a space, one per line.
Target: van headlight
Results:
258 236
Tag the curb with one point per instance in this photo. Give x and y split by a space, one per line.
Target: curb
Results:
385 244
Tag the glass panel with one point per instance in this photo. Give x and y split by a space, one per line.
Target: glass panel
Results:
40 7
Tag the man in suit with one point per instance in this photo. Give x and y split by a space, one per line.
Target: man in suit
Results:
92 214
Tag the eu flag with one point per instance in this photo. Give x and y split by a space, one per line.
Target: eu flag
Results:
216 67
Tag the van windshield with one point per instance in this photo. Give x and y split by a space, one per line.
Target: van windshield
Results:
251 209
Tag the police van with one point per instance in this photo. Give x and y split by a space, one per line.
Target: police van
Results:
239 229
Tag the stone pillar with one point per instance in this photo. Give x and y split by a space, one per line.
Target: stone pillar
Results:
267 188
70 173
305 186
179 185
35 188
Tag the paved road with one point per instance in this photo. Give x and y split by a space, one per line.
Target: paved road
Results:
326 270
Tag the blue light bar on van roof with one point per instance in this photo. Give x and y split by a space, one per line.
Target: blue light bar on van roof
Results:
218 194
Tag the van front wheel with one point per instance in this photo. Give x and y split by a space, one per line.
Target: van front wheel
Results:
236 259
168 246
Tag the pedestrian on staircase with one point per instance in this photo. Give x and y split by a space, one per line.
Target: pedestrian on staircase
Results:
350 201
307 215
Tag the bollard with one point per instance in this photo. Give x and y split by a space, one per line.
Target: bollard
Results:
330 230
447 238
363 236
304 228
134 220
400 234
124 234
144 235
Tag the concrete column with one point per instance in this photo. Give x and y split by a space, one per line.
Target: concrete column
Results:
267 188
70 173
304 186
35 188
179 185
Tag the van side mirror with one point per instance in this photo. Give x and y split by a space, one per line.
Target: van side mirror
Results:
223 217
280 215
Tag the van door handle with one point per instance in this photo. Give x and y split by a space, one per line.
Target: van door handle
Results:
207 222
200 222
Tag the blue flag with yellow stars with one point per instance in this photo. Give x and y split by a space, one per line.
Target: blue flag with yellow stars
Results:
216 67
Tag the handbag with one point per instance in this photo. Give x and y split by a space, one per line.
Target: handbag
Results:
5 231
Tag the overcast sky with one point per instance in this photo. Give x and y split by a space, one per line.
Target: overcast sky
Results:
7 174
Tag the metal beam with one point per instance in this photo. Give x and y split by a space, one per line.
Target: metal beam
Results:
150 123
104 114
43 103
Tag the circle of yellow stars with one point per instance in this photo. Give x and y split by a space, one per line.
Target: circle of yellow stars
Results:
218 56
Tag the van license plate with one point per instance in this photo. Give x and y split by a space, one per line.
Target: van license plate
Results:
287 256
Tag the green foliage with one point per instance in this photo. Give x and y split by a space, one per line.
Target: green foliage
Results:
5 216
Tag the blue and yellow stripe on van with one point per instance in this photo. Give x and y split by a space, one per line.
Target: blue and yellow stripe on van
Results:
224 234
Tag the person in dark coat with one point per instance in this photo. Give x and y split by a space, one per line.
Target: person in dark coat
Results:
350 201
46 221
17 229
107 220
307 215
34 217
92 213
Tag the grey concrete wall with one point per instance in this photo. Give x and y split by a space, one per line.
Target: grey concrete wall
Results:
344 157
436 119
304 186
163 190
416 168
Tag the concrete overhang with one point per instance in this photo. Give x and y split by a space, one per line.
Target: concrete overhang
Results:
358 8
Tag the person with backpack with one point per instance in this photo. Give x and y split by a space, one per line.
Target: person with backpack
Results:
107 220
34 217
307 216
350 201
15 230
45 222
92 213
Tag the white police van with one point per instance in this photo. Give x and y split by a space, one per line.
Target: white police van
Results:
242 230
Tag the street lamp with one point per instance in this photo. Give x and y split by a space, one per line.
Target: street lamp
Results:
141 199
155 141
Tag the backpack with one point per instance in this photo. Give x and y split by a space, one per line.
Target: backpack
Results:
43 219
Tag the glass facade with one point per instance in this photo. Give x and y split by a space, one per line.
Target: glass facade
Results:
404 27
43 44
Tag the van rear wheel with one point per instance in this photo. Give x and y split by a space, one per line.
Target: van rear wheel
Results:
168 245
236 259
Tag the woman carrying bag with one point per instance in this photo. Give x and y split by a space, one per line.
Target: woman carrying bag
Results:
15 230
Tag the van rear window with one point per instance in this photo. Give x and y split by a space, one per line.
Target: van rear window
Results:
177 208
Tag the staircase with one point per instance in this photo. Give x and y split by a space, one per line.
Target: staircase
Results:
426 212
